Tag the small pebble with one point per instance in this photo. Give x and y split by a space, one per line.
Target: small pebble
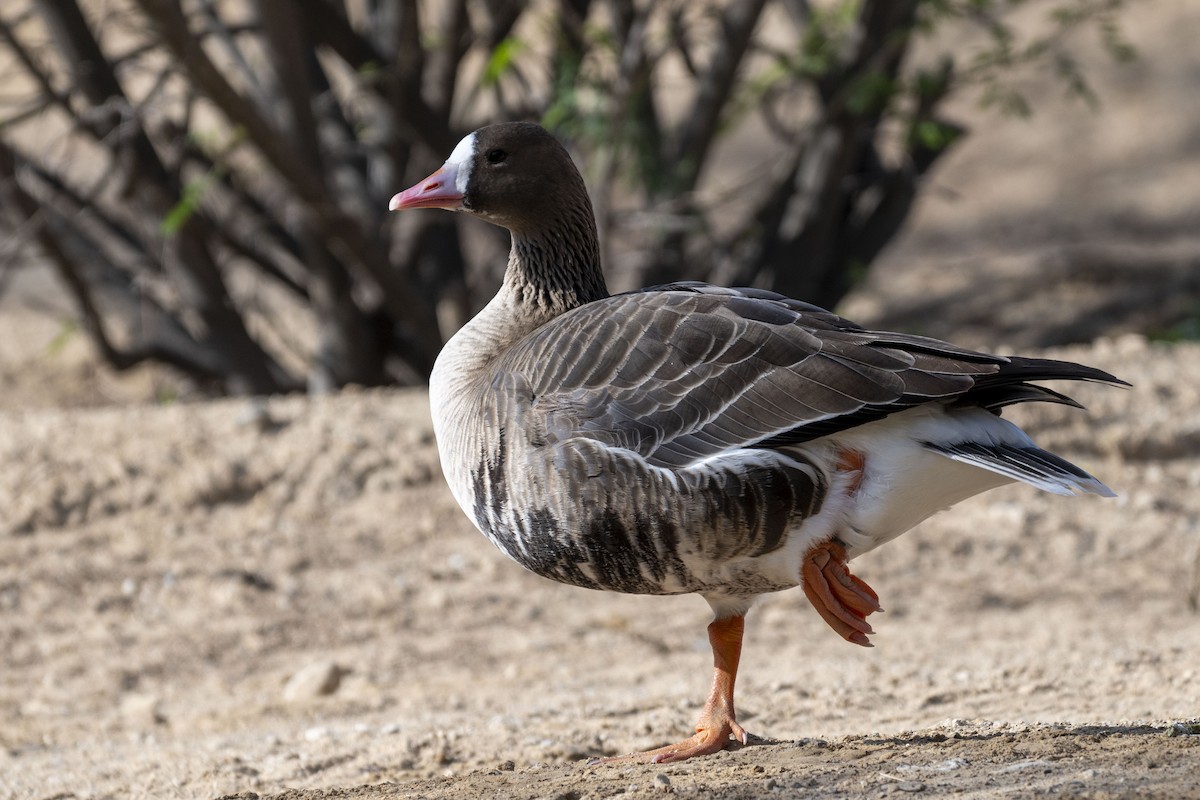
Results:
315 680
1184 729
256 414
144 710
315 734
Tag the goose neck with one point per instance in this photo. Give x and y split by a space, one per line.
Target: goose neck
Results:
556 267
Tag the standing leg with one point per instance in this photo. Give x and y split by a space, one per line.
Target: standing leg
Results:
717 721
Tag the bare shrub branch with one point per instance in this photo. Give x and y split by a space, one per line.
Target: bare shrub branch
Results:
205 151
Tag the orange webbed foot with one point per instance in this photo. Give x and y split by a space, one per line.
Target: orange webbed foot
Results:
712 736
842 599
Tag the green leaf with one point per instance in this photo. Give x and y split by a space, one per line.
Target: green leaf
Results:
167 396
934 135
501 60
825 37
870 92
188 204
1120 48
1186 329
1008 101
65 334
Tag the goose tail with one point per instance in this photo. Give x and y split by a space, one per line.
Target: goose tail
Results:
1026 463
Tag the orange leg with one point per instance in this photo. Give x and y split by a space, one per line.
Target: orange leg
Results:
717 720
842 600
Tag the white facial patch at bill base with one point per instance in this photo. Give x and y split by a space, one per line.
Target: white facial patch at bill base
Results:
462 159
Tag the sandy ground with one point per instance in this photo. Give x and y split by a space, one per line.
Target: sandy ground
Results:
243 596
280 599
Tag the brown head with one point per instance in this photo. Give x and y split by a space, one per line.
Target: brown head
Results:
518 176
514 174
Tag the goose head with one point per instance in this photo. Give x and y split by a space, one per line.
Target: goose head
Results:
518 176
513 174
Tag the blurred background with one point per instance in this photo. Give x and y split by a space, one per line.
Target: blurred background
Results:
201 598
194 195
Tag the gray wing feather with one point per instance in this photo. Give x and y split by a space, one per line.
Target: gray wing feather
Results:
684 372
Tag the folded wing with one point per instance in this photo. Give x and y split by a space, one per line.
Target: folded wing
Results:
685 372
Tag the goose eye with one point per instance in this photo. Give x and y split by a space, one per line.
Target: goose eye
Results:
496 156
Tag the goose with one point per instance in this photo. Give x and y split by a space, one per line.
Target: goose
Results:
689 438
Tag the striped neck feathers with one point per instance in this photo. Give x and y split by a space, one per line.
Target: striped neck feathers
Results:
555 267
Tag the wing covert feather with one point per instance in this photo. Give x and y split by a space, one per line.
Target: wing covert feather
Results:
687 371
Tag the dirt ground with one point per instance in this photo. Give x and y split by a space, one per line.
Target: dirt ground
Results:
279 598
